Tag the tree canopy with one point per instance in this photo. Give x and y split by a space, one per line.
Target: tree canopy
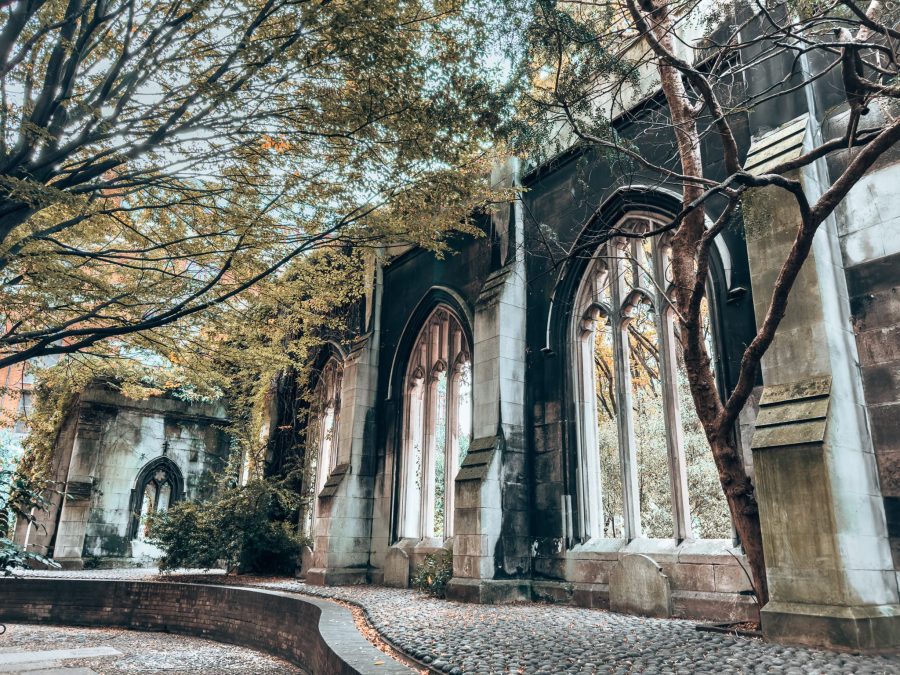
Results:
157 158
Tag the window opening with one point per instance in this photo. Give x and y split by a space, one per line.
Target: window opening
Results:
321 439
645 467
437 426
157 488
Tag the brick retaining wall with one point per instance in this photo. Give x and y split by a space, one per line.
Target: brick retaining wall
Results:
320 637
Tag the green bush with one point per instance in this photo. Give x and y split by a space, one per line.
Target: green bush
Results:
20 497
247 529
434 573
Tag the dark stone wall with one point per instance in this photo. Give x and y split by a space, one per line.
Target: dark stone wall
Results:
875 302
571 201
410 283
574 204
317 636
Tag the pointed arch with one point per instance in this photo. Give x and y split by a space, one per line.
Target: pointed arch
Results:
640 454
158 485
435 423
322 431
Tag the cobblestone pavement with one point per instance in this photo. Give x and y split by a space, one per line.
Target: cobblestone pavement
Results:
539 638
141 652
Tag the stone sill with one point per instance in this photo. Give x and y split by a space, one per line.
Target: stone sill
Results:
707 551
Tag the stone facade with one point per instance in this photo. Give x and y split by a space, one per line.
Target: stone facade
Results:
111 450
526 524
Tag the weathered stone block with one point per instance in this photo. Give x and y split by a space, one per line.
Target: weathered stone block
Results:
592 596
590 570
553 568
691 577
637 585
885 420
306 560
719 607
552 591
396 568
840 627
731 579
547 467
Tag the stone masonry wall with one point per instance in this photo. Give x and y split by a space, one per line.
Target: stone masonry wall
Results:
109 439
870 243
317 636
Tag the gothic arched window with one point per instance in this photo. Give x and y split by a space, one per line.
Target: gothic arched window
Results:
322 437
645 467
437 426
158 486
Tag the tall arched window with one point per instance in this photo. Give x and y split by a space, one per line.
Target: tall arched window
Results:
645 466
322 437
157 487
437 426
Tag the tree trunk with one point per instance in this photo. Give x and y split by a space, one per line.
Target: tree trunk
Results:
744 510
688 275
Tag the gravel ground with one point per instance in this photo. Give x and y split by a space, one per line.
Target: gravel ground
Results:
142 652
537 638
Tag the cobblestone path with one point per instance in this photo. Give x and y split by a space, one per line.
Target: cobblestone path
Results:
539 638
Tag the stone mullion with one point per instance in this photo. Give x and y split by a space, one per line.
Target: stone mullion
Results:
426 510
627 441
450 448
337 384
321 463
668 368
413 414
454 348
428 460
405 458
590 487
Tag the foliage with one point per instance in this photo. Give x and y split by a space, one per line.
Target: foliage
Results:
709 513
19 497
58 386
159 158
248 528
434 573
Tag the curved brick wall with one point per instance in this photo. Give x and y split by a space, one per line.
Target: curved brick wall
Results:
319 637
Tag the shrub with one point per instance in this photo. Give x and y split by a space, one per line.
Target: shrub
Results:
20 497
434 573
245 528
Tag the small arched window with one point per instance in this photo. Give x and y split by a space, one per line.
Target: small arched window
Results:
645 467
157 487
322 437
437 426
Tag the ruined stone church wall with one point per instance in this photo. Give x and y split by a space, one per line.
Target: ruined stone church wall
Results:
414 284
111 439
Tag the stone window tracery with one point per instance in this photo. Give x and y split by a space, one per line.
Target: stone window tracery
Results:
157 487
322 437
645 468
437 426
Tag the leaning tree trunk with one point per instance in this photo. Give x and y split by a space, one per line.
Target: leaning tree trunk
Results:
744 510
689 271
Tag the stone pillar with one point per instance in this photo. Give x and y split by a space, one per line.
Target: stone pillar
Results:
343 527
829 567
78 495
491 554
